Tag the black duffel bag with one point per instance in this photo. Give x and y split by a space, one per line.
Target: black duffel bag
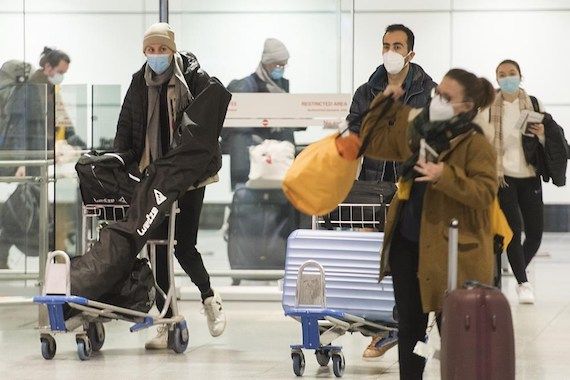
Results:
364 194
104 179
138 291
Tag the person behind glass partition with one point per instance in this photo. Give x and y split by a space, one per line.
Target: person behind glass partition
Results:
267 78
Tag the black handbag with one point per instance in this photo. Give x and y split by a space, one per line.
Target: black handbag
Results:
366 203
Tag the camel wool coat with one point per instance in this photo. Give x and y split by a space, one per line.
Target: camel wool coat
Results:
465 191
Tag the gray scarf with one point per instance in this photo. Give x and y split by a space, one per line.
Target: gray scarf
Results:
264 76
178 98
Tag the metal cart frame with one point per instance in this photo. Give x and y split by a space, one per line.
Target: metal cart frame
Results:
90 334
320 325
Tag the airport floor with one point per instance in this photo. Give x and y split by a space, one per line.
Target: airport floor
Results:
256 342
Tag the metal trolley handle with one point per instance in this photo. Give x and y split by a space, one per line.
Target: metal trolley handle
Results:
57 276
310 290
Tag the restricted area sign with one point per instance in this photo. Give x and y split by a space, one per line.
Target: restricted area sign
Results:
285 110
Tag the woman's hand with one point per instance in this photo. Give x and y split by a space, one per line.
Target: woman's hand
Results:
431 172
537 129
394 91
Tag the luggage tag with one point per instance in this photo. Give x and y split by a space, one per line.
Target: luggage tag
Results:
426 350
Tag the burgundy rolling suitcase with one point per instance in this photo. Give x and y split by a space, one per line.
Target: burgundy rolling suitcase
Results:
477 340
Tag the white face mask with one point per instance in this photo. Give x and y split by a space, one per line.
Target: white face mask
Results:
393 62
440 110
56 79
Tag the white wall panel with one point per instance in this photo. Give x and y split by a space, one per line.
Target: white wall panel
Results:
490 5
410 5
12 42
85 6
11 6
537 40
254 5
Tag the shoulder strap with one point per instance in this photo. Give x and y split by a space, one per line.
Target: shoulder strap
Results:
534 102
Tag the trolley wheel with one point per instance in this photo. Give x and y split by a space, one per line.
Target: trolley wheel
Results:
323 357
178 337
298 362
48 346
84 349
96 334
338 363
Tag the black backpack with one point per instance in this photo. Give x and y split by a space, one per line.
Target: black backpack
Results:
20 219
13 74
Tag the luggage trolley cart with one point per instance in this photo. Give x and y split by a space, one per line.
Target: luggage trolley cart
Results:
331 283
88 324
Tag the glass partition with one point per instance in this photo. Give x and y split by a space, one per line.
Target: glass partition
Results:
106 105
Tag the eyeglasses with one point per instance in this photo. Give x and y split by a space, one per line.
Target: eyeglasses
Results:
445 97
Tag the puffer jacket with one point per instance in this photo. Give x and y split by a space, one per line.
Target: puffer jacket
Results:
131 127
418 86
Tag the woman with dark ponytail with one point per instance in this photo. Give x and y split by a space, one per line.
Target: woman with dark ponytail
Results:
448 171
53 66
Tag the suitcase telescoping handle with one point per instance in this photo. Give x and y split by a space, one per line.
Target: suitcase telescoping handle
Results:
452 260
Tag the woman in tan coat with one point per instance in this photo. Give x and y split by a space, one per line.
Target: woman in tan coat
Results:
457 179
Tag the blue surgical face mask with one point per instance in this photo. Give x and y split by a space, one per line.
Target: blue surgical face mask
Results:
277 73
159 63
510 84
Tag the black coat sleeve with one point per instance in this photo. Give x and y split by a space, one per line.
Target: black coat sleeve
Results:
124 136
359 105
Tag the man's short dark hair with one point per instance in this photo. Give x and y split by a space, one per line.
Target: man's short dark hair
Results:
405 29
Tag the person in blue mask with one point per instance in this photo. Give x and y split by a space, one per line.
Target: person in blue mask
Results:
520 191
267 78
164 86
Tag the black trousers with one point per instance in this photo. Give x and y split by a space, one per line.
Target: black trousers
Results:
521 201
187 222
412 322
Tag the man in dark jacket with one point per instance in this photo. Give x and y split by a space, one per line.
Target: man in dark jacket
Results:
397 53
159 93
397 69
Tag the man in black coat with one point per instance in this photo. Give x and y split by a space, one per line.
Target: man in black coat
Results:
397 69
155 102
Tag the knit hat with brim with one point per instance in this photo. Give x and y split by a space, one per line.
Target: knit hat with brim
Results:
274 51
159 33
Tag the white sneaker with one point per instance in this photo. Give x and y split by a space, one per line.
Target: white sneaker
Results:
215 315
525 293
160 341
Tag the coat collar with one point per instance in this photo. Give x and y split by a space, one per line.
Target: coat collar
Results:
454 143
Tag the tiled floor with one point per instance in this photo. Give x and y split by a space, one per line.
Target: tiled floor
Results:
256 343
